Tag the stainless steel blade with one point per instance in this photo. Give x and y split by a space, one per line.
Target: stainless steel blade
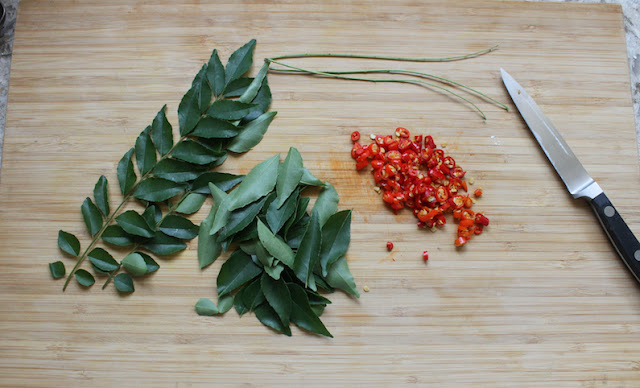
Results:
575 177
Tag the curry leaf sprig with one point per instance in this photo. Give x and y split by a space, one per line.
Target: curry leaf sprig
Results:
415 77
223 111
284 255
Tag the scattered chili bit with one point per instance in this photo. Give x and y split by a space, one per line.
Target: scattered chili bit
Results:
425 255
389 246
355 136
420 176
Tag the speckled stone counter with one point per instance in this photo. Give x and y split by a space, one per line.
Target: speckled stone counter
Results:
630 8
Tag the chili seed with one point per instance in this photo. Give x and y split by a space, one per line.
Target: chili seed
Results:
366 288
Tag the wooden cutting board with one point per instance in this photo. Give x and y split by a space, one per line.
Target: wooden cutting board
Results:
540 299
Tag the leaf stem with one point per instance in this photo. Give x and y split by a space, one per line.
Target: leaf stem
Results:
403 59
115 271
407 81
115 212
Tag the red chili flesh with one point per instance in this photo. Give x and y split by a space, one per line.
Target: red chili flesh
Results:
425 255
420 176
389 246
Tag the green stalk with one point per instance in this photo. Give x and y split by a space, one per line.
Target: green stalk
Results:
135 247
402 59
401 71
114 213
407 81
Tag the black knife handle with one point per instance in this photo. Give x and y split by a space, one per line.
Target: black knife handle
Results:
619 233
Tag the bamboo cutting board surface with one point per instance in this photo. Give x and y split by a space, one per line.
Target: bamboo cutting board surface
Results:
539 300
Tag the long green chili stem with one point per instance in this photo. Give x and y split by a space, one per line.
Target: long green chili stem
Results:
401 71
114 213
403 59
169 211
407 81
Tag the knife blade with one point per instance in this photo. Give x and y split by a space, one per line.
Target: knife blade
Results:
577 180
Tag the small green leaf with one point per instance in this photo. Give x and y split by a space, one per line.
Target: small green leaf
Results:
57 269
301 210
336 235
267 315
256 84
239 62
278 296
123 283
68 243
212 128
221 203
274 271
340 277
276 218
188 112
92 216
133 223
162 132
176 170
84 278
161 244
201 89
316 299
126 173
206 307
252 133
289 174
310 180
253 295
114 234
152 266
237 87
259 182
308 253
101 195
265 258
261 102
102 260
191 204
238 302
178 226
327 203
152 214
208 246
240 219
157 189
317 309
225 303
275 245
215 73
237 270
145 152
134 264
223 180
302 314
229 110
193 152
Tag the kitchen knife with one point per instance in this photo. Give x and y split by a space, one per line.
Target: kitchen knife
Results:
575 177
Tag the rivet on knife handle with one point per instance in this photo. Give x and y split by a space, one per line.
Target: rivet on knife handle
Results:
619 233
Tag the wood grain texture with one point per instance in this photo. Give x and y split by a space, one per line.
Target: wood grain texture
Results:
539 300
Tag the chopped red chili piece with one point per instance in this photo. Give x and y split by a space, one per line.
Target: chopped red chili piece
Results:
355 136
389 245
425 255
418 175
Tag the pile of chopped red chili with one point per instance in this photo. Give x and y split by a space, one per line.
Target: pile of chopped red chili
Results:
418 175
